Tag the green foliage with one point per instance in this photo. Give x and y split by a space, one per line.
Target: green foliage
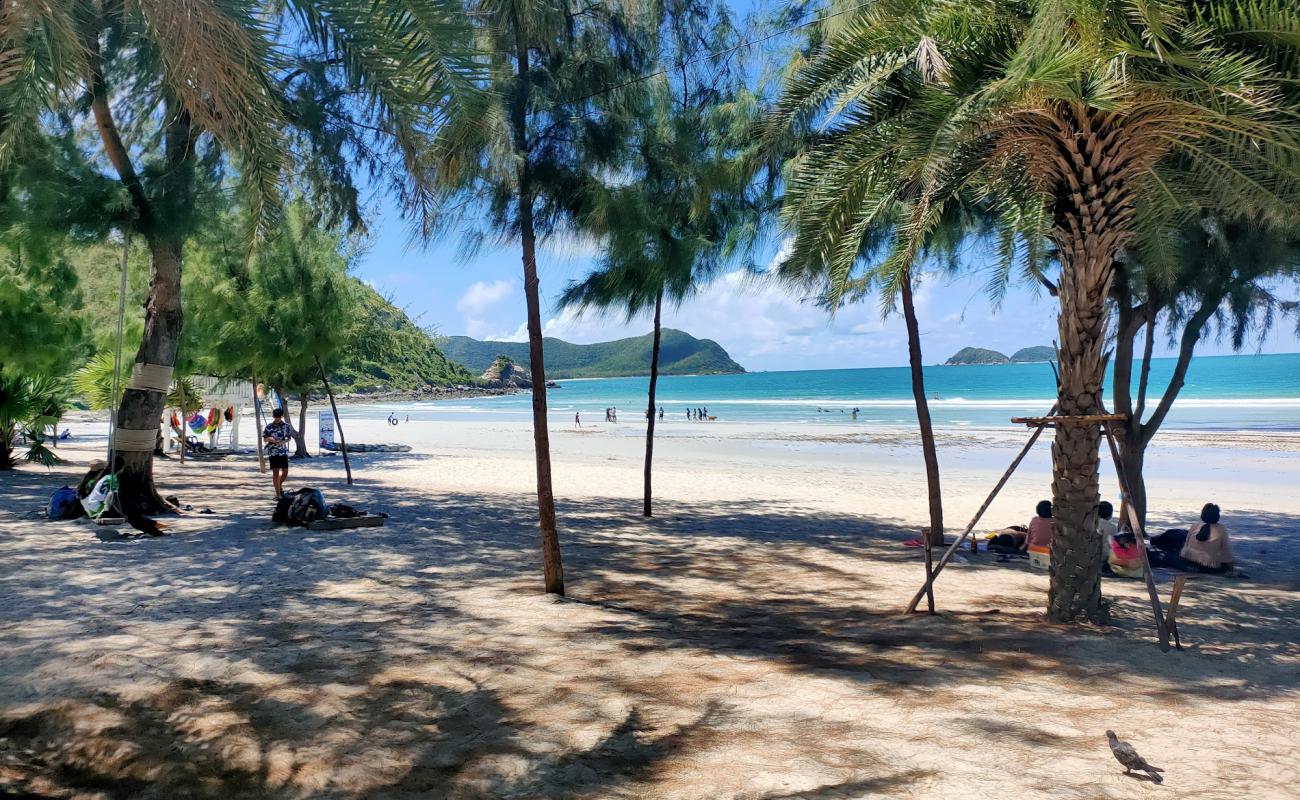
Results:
40 326
916 112
94 381
389 352
681 354
546 127
274 316
29 405
185 396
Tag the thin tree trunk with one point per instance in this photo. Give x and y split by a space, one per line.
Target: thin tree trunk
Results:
650 417
1135 442
338 423
183 434
552 564
928 451
300 435
257 423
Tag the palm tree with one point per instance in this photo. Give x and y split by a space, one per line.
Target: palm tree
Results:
324 83
520 160
1094 125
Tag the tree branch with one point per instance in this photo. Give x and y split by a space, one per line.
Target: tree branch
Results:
1145 377
1191 335
118 154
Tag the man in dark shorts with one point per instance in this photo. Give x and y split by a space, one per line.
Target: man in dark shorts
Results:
277 436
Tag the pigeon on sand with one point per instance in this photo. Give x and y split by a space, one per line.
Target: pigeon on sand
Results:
1126 755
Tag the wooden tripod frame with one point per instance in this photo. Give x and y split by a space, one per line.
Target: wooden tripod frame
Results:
1039 424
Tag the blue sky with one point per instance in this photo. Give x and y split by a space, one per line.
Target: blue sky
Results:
763 326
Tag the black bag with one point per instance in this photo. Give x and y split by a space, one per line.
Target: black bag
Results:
307 507
281 513
344 511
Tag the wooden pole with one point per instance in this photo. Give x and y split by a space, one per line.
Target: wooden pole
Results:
1171 621
952 548
929 570
1162 632
338 423
257 423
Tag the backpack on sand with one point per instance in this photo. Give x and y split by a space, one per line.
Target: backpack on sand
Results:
65 504
307 507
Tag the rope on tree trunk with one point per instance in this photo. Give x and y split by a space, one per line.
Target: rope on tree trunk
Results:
151 377
133 441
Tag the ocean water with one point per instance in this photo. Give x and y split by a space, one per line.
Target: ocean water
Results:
1243 392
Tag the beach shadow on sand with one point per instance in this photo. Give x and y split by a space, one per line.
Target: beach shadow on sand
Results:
259 661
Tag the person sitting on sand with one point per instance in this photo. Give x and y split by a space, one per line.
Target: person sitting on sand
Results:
1123 556
1207 548
1038 542
1106 528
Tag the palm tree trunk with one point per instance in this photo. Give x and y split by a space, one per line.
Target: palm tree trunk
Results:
552 565
1093 208
650 416
928 451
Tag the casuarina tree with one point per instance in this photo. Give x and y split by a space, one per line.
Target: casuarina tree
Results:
1117 119
518 163
679 205
174 99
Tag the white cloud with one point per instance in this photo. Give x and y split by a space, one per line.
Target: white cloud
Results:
519 334
481 296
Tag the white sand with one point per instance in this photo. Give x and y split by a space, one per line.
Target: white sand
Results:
745 643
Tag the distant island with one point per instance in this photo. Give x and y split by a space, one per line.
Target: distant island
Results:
680 354
978 355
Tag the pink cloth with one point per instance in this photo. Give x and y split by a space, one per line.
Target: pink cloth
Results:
1040 532
1124 556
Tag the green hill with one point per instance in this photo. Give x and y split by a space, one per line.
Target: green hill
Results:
976 355
393 353
680 354
1037 353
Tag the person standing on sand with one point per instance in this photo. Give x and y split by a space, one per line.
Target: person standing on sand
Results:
661 412
577 419
277 435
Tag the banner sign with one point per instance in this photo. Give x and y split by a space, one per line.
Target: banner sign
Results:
326 425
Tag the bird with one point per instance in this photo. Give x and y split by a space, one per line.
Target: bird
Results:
1126 755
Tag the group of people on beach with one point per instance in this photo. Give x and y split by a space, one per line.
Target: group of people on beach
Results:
1203 547
696 414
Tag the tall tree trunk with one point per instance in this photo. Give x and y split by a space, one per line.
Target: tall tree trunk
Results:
300 435
142 409
1092 208
928 451
650 416
7 435
552 565
1134 443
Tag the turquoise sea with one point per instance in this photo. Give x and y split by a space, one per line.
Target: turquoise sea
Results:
1222 392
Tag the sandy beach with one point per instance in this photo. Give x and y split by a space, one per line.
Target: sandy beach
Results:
747 642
